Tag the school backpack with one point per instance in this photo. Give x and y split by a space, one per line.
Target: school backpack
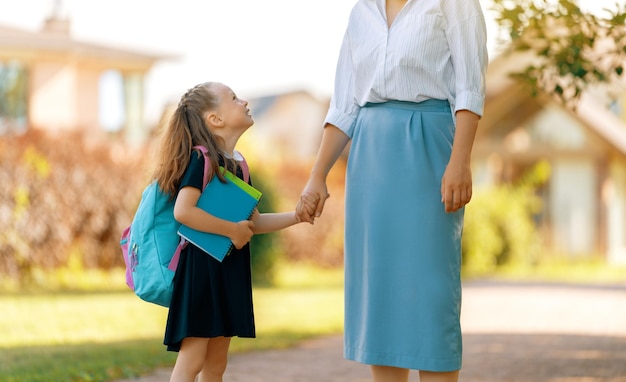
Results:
151 245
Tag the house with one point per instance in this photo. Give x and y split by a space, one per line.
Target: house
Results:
585 196
289 124
48 80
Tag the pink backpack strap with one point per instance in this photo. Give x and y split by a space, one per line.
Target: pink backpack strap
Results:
207 165
179 248
242 163
244 168
205 180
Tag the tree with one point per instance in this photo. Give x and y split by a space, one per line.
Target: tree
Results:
571 49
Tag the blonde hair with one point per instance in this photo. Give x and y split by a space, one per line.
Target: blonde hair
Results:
185 129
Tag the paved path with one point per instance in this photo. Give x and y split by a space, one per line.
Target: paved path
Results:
513 332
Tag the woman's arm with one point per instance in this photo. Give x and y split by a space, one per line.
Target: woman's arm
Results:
456 183
467 40
333 142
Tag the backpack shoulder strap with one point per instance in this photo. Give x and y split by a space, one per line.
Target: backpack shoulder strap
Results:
207 164
205 180
242 163
244 168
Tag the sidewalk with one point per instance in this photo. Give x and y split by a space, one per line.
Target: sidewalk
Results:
513 332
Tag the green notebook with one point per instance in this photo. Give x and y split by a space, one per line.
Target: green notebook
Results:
234 200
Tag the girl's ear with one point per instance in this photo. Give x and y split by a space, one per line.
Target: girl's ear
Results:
214 120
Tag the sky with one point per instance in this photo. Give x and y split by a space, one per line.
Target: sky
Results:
257 47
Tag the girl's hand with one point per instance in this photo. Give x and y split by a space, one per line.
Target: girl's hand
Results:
242 233
255 215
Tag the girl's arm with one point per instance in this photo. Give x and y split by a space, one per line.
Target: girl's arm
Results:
186 212
270 222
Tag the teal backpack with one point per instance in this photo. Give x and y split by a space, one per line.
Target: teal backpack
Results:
151 245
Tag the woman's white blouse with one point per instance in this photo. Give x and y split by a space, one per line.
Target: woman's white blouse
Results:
434 49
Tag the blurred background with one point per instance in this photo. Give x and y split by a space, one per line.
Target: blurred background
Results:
85 86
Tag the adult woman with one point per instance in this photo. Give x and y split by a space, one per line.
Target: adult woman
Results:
409 91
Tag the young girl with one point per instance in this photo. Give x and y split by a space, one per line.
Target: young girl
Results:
212 301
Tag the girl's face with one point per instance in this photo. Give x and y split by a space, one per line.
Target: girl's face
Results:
232 110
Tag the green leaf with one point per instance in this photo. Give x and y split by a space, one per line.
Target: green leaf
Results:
558 90
561 34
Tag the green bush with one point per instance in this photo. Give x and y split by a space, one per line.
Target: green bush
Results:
65 199
265 248
500 227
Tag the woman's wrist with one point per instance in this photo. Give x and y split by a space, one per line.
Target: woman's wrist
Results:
318 176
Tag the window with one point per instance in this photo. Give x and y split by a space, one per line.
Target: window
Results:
111 101
616 107
13 97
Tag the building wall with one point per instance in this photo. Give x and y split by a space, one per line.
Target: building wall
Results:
51 96
63 96
87 94
614 201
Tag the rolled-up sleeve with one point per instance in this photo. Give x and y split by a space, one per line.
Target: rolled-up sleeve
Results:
468 49
343 108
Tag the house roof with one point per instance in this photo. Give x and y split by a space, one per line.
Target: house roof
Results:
602 122
504 96
26 45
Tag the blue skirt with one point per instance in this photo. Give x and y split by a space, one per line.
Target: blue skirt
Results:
402 250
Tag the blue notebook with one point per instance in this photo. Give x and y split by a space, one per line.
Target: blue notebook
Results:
234 200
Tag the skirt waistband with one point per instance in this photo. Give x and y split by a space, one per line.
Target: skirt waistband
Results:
428 105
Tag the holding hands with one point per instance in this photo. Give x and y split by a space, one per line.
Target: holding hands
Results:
307 206
311 202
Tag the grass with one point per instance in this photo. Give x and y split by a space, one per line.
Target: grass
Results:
587 270
103 336
105 332
81 362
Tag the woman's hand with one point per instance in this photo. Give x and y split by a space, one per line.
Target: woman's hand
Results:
456 186
456 183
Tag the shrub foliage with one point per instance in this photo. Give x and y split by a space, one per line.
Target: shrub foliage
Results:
61 196
500 224
64 201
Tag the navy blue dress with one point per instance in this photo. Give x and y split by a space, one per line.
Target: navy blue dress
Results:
210 299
